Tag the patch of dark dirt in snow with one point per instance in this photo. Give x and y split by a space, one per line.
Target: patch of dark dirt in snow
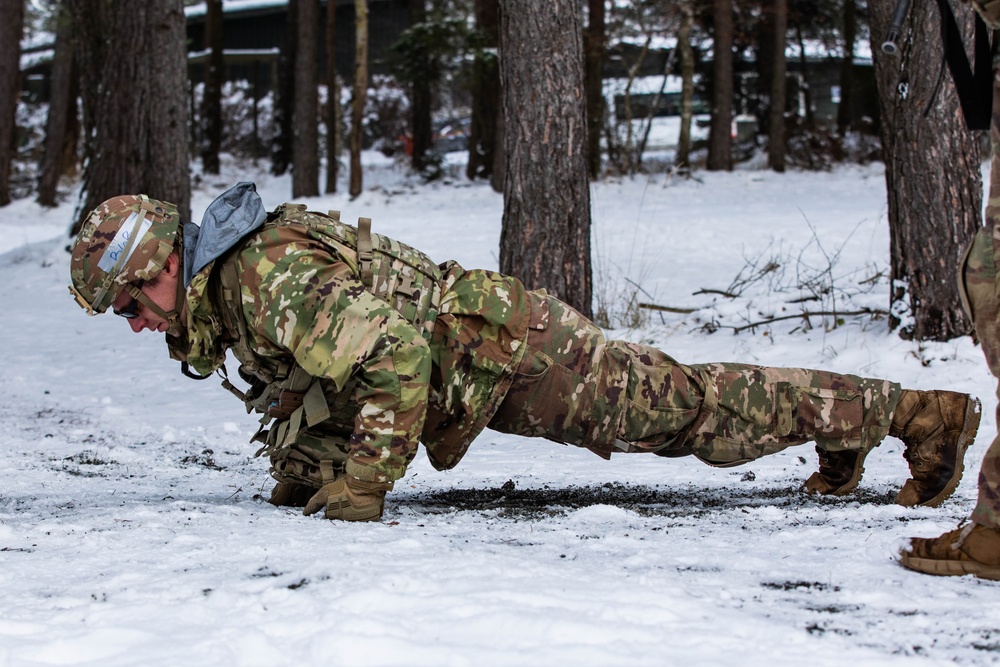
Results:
798 585
88 458
642 499
205 459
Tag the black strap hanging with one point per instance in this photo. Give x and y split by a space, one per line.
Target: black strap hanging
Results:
975 88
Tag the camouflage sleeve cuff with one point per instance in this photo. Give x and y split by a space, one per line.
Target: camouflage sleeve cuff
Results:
368 473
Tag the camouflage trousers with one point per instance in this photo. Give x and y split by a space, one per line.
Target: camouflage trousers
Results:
979 284
573 386
981 297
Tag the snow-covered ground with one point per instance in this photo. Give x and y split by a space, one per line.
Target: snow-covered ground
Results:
133 529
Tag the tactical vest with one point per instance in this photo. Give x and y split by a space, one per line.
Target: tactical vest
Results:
308 442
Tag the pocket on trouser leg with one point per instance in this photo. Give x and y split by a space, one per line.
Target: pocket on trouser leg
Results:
977 282
743 415
833 418
312 460
294 467
545 400
747 425
660 398
653 429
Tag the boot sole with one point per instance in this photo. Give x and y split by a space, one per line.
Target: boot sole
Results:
950 568
973 414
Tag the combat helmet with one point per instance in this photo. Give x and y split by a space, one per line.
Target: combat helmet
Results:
124 241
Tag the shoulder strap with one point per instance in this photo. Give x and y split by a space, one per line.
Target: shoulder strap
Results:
365 251
235 323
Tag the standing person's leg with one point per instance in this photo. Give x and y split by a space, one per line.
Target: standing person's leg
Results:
573 386
975 548
980 285
981 288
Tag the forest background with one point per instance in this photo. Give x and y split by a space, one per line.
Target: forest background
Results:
133 522
543 97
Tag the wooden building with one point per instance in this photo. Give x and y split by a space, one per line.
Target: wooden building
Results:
254 30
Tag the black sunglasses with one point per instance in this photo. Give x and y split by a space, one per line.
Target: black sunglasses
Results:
129 312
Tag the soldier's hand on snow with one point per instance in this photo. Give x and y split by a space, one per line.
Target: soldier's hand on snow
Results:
349 499
290 494
989 10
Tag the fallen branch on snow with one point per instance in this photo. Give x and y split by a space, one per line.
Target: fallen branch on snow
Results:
806 315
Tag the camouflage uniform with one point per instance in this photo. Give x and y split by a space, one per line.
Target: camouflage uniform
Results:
974 548
379 377
979 282
384 384
576 387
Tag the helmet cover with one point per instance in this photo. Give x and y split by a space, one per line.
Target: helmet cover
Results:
126 239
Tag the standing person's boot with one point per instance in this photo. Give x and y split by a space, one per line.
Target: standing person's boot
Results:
839 472
974 549
937 427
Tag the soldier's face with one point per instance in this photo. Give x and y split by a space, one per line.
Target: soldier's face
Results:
162 291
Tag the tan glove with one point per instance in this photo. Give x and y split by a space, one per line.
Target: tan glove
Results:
989 10
349 499
288 494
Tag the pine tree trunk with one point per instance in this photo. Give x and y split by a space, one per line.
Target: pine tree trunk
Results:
305 142
483 141
932 171
423 134
846 105
332 99
500 154
805 86
545 240
776 124
62 104
760 104
360 93
211 107
720 155
134 81
683 158
284 93
594 42
11 27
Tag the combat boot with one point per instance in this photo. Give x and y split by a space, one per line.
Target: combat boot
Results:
289 494
937 427
973 549
839 472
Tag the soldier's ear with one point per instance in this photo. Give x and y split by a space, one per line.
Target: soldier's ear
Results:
173 264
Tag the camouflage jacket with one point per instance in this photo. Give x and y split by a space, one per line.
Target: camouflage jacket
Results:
303 304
